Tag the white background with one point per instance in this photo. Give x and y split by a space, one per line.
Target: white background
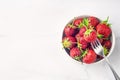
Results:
30 39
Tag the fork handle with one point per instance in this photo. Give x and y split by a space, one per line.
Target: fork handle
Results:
113 71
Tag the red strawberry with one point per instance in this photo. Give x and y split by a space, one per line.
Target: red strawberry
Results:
107 44
101 40
82 43
93 21
69 30
90 57
104 29
77 36
75 53
90 35
82 31
69 42
77 22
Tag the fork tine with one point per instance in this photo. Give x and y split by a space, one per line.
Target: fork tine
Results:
92 45
98 42
97 47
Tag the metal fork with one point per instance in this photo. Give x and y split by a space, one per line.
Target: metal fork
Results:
97 47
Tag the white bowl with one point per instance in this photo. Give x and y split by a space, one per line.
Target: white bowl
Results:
110 51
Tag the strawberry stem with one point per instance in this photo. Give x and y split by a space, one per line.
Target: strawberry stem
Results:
106 21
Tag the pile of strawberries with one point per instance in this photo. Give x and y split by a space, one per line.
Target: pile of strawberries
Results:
80 32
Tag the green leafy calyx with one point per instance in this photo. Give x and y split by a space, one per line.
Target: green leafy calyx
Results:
84 53
86 22
105 51
77 58
81 25
100 35
88 31
66 43
71 25
106 22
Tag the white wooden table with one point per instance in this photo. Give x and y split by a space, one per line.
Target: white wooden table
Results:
30 39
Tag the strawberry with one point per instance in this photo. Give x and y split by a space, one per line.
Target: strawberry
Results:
101 40
75 53
77 36
82 31
93 21
77 22
69 30
90 35
104 29
107 44
69 42
89 57
82 43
